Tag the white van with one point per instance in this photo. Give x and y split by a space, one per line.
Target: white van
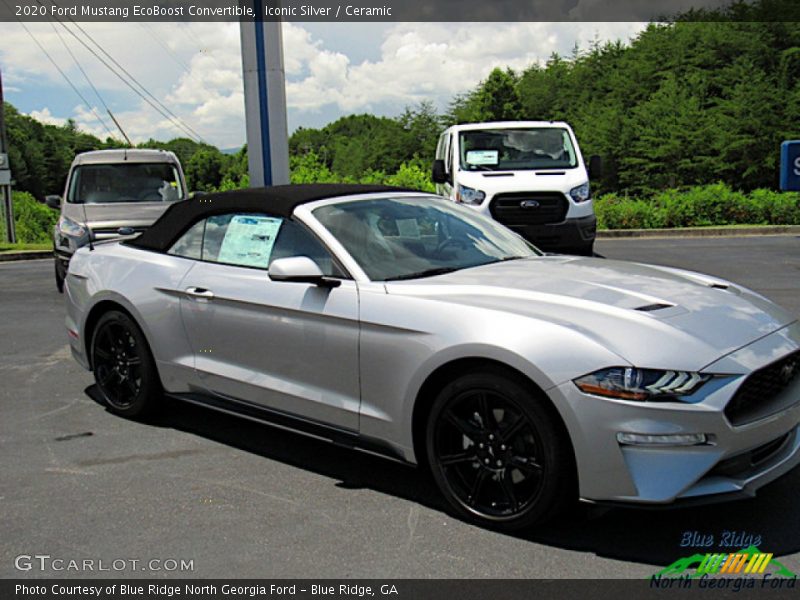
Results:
528 175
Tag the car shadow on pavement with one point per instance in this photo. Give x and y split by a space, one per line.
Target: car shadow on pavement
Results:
648 536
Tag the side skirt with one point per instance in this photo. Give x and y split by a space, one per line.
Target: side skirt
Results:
293 423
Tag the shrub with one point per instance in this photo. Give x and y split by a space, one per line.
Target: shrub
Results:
698 206
614 212
779 208
412 175
33 221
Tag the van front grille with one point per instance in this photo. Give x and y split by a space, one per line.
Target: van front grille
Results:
529 208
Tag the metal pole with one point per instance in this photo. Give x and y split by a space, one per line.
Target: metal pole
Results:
5 173
265 100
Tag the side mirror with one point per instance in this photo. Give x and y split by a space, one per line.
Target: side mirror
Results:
53 201
595 167
439 173
300 269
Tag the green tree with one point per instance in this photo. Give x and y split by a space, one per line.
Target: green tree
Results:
204 170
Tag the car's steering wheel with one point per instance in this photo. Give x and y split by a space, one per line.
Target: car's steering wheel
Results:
450 242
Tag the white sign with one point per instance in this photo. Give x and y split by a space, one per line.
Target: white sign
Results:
482 157
249 240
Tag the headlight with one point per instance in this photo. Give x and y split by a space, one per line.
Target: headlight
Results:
629 383
580 193
468 195
71 228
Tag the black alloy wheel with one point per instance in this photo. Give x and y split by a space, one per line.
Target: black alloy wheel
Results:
496 452
123 366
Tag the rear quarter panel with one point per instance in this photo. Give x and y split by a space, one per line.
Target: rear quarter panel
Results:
144 284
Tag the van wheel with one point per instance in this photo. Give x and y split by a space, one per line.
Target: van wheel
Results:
59 277
498 453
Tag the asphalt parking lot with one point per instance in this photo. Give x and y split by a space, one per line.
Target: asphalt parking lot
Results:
245 500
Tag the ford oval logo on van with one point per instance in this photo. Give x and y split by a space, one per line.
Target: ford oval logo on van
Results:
529 204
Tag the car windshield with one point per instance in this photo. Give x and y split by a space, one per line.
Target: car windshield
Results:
413 237
516 149
130 182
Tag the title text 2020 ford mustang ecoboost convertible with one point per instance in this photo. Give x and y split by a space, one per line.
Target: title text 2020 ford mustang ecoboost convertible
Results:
409 326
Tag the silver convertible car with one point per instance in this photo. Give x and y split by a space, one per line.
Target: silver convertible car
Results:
398 323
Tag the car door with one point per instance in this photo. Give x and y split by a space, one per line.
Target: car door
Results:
286 346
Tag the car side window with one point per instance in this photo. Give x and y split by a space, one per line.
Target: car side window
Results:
252 240
296 240
190 244
240 239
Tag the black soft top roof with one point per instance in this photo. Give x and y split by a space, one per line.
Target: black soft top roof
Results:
279 201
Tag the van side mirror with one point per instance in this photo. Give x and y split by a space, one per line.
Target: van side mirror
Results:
300 269
438 172
53 201
595 167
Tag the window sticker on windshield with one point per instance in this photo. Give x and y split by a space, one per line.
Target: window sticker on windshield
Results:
482 157
408 228
249 240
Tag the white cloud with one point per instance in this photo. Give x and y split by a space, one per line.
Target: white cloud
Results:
46 117
195 69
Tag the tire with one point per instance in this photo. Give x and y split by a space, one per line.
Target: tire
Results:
123 366
59 277
512 474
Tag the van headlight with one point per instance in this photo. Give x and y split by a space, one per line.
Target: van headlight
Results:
630 383
468 195
70 228
581 193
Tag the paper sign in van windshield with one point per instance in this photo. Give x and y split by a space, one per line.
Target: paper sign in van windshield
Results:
249 240
482 157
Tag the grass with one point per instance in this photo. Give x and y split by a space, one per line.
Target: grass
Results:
6 247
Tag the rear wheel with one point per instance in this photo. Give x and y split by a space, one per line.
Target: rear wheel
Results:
497 454
123 366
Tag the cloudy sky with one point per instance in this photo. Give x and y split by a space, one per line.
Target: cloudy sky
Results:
331 69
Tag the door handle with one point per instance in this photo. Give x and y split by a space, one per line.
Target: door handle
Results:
199 292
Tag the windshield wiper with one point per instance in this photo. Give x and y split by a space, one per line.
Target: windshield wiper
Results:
425 273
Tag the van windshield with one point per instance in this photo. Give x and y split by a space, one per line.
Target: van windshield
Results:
128 182
516 149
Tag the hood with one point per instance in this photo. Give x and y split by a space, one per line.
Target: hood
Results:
542 180
114 216
651 316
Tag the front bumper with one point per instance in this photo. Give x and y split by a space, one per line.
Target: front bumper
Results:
570 235
736 461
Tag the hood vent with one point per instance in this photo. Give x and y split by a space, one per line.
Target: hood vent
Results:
497 174
652 307
718 286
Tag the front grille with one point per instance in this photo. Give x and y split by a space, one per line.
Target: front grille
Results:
529 208
115 230
756 397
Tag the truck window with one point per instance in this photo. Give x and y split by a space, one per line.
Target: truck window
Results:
516 149
128 182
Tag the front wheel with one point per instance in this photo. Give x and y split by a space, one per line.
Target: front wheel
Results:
497 453
59 272
123 365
